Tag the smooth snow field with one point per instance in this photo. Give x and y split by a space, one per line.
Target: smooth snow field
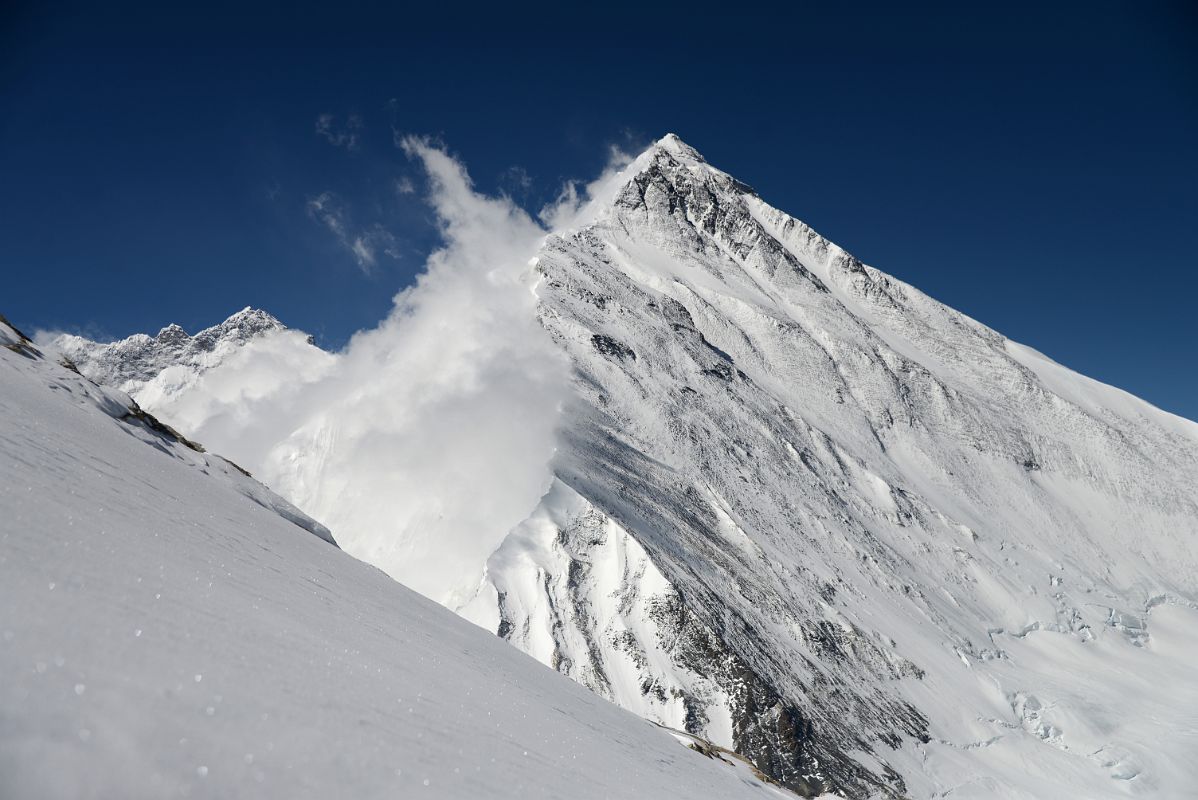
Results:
167 633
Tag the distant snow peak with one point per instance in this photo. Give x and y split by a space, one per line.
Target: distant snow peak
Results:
245 324
132 364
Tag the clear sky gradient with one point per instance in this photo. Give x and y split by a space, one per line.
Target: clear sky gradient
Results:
1035 167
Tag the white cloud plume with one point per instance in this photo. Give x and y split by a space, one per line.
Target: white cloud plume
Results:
429 437
576 199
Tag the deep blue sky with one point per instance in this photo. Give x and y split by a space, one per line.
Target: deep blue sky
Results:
1036 168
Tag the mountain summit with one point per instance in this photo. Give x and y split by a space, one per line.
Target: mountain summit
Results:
809 511
129 364
805 511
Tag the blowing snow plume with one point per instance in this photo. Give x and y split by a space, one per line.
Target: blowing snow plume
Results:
435 430
428 437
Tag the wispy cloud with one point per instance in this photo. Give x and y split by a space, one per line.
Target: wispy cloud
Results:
365 245
515 181
575 196
363 251
325 209
347 135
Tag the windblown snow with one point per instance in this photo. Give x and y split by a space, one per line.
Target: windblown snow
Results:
170 628
773 497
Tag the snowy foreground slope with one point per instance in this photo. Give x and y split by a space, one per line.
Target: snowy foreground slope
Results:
805 511
170 628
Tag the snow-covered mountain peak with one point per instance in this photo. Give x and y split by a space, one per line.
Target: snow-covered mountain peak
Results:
672 144
856 496
154 368
246 323
670 156
670 165
240 327
172 334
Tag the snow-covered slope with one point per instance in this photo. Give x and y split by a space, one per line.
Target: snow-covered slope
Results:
163 636
43 382
804 510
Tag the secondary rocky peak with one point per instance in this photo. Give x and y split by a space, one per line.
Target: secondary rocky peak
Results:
172 334
245 324
130 363
254 317
242 326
